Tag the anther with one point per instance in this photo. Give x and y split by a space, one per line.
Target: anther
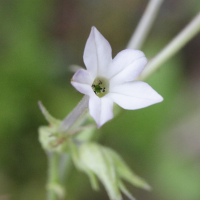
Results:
103 89
100 82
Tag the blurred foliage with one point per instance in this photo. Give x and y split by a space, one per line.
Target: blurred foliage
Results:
39 40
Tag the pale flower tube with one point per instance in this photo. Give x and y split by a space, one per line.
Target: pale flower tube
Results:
108 80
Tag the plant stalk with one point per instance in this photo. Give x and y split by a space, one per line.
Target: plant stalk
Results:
144 25
53 176
192 29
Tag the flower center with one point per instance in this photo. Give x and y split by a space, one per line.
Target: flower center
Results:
100 86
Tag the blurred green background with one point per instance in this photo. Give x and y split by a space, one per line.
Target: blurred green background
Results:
40 39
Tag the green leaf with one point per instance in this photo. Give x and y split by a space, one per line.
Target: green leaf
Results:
53 121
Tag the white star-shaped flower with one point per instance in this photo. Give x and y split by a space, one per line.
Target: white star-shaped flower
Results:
108 80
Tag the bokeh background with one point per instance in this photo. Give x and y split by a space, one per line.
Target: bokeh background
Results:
40 39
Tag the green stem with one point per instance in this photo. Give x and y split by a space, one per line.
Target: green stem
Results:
192 29
57 169
144 25
65 167
53 177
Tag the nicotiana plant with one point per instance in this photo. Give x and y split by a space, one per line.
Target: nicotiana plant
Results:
106 81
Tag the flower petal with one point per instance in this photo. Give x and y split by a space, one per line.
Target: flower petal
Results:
134 95
126 66
97 54
83 76
83 88
101 109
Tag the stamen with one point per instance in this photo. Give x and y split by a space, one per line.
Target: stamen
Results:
99 86
100 82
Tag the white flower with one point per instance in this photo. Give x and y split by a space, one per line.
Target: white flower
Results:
108 80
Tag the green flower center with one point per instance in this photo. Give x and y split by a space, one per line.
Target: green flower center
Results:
100 86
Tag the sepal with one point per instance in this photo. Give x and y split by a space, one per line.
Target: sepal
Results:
49 136
98 161
126 173
52 140
52 121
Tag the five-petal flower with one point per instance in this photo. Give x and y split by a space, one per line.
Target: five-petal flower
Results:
106 81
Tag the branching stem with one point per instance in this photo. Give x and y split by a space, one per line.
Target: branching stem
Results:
192 29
